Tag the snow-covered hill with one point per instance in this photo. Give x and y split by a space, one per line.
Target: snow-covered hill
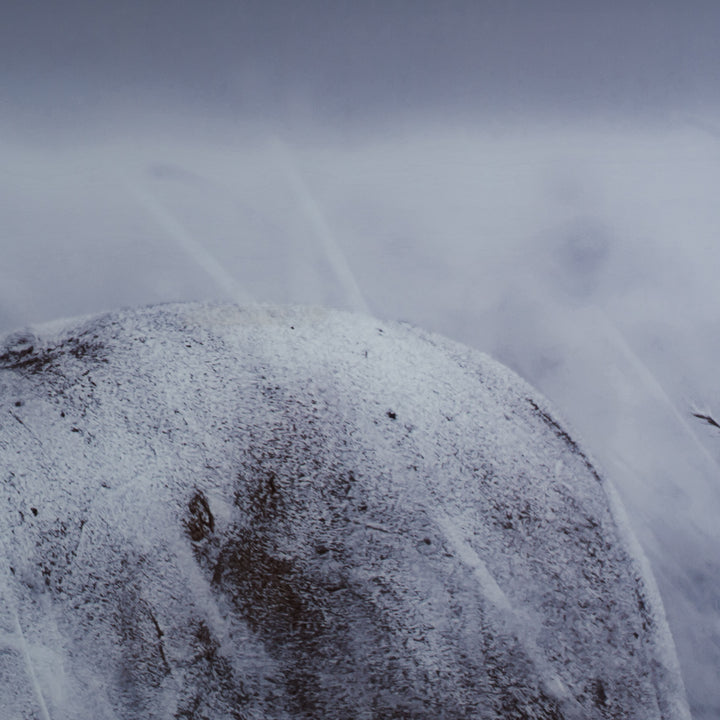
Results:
215 512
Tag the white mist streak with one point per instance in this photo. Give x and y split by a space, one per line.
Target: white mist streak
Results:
199 254
314 214
31 669
651 382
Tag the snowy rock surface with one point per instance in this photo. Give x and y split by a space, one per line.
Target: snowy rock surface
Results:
214 512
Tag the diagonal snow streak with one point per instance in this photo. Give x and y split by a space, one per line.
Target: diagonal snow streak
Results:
199 254
18 640
316 217
490 590
488 585
31 669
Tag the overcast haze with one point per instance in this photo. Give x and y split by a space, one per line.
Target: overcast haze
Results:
536 179
357 63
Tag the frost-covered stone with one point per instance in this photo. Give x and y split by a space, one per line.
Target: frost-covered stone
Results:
215 512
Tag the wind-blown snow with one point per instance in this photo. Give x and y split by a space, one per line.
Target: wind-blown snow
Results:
282 513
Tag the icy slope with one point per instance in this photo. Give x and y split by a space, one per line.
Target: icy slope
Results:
212 512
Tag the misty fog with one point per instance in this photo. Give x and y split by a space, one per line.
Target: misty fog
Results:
536 180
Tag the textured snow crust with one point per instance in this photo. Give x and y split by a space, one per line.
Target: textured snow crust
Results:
280 513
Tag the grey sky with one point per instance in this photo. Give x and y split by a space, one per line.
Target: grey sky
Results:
346 62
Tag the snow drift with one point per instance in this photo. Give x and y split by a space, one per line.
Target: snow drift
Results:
215 512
